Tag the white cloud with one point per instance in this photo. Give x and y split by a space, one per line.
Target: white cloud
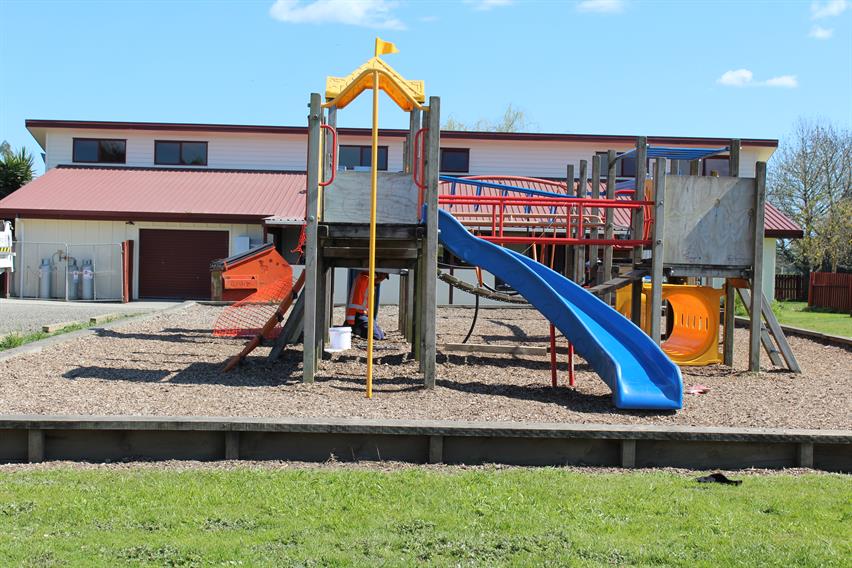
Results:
783 81
485 5
364 13
827 9
745 78
736 78
601 6
819 32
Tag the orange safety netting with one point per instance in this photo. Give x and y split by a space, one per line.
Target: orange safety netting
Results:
247 317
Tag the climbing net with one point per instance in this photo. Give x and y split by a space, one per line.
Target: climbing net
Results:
247 317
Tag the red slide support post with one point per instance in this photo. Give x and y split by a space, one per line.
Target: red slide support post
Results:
552 355
570 364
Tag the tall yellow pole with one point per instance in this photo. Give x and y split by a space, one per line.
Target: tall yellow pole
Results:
371 286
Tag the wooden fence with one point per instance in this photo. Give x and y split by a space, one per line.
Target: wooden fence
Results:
791 287
830 290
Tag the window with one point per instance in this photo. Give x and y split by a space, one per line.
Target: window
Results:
455 160
99 151
680 167
720 165
355 157
175 153
625 167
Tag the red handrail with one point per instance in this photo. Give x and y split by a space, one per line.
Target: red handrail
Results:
333 154
419 159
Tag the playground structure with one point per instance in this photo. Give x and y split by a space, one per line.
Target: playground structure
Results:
674 227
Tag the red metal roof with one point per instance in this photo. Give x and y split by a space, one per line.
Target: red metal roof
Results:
779 226
159 194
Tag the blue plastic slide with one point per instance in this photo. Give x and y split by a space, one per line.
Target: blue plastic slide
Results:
637 371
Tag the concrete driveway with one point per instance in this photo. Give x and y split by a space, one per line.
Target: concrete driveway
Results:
25 316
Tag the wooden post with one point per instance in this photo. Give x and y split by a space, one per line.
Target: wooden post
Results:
728 324
400 313
730 291
327 275
609 228
409 150
569 231
757 269
232 445
734 160
35 446
595 212
580 250
309 358
638 227
657 253
410 285
429 323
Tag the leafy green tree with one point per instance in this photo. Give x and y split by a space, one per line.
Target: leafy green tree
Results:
16 169
810 179
513 120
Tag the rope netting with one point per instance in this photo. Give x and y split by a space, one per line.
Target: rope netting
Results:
247 317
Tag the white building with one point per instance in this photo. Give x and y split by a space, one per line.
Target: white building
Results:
151 204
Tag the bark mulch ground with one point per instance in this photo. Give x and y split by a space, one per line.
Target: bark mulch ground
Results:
170 365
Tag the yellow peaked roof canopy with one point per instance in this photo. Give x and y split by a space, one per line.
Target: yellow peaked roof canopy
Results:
340 91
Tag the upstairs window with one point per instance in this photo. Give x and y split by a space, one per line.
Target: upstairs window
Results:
180 153
99 151
455 160
357 157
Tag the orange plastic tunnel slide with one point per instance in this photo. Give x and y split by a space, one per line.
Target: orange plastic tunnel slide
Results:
694 337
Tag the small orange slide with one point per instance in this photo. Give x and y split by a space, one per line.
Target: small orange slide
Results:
694 339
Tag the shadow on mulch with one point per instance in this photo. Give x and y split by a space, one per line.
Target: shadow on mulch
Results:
175 336
118 374
566 397
198 373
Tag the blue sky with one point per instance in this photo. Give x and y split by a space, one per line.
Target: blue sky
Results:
732 69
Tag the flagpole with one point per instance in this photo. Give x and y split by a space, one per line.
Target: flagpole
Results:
371 286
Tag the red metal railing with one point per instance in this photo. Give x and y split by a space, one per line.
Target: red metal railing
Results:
553 213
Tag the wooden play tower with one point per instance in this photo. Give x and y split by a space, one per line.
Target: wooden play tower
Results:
372 220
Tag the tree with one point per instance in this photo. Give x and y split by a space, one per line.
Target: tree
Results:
810 179
513 120
16 169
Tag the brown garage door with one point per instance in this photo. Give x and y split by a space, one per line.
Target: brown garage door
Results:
176 264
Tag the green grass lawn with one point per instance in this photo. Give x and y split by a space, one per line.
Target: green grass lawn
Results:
797 315
484 517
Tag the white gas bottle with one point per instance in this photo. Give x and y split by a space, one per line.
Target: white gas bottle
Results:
88 280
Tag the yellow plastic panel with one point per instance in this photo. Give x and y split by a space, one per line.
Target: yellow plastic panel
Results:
408 95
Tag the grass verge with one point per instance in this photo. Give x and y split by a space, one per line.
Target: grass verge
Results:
15 339
482 517
797 314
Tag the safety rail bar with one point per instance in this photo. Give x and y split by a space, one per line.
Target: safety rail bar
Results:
333 154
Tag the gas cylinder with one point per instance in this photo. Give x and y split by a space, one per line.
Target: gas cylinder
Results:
88 280
73 280
44 274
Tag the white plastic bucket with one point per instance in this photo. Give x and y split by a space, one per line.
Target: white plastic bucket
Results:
341 338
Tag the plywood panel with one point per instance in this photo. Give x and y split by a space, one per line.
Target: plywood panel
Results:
347 200
709 220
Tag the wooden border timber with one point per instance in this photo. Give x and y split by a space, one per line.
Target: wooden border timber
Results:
121 438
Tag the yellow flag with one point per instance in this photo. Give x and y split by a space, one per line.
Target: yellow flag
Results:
384 47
